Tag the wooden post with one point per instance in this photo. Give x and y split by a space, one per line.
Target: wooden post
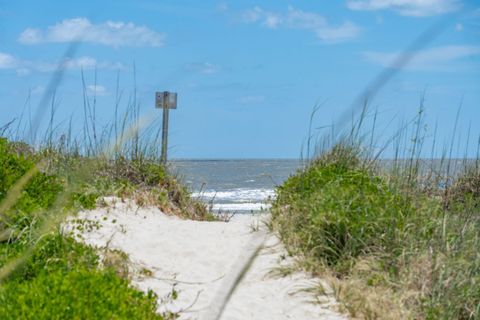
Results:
165 100
163 157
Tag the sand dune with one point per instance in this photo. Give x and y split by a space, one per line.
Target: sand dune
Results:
200 260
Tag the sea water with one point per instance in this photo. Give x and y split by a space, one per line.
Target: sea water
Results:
244 186
236 186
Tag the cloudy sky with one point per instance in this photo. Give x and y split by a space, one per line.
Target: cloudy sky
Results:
248 73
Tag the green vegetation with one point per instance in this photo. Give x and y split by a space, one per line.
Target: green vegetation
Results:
340 211
79 294
147 182
394 244
46 274
61 277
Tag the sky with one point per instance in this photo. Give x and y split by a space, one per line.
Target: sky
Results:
248 73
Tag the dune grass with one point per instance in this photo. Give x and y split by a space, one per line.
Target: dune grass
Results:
54 276
44 272
397 241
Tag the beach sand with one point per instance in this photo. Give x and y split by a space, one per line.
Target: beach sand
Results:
199 261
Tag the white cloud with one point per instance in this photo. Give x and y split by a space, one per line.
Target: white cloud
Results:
30 36
7 61
252 15
109 33
302 20
305 20
24 67
417 8
272 20
97 90
343 32
203 67
434 59
78 63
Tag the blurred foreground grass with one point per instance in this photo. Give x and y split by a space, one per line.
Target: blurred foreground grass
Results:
46 274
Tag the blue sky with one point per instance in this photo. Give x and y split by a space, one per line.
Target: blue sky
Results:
248 73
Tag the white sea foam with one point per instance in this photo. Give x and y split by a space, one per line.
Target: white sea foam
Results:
241 206
241 199
236 195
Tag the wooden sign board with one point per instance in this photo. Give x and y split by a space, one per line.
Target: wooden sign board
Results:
166 100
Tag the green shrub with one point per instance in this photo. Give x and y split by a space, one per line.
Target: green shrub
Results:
78 294
39 193
58 278
57 252
12 167
61 280
85 200
335 212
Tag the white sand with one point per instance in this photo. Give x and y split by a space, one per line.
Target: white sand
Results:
201 259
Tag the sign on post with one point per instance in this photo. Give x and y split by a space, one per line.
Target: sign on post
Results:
166 101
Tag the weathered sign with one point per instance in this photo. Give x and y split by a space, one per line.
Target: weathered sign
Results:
166 100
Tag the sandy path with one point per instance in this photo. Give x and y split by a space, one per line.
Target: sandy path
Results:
200 259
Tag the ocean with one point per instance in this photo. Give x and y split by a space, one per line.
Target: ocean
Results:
245 186
236 186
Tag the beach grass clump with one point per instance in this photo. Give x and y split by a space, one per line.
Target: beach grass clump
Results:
455 278
389 245
455 290
143 179
45 273
336 210
147 182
